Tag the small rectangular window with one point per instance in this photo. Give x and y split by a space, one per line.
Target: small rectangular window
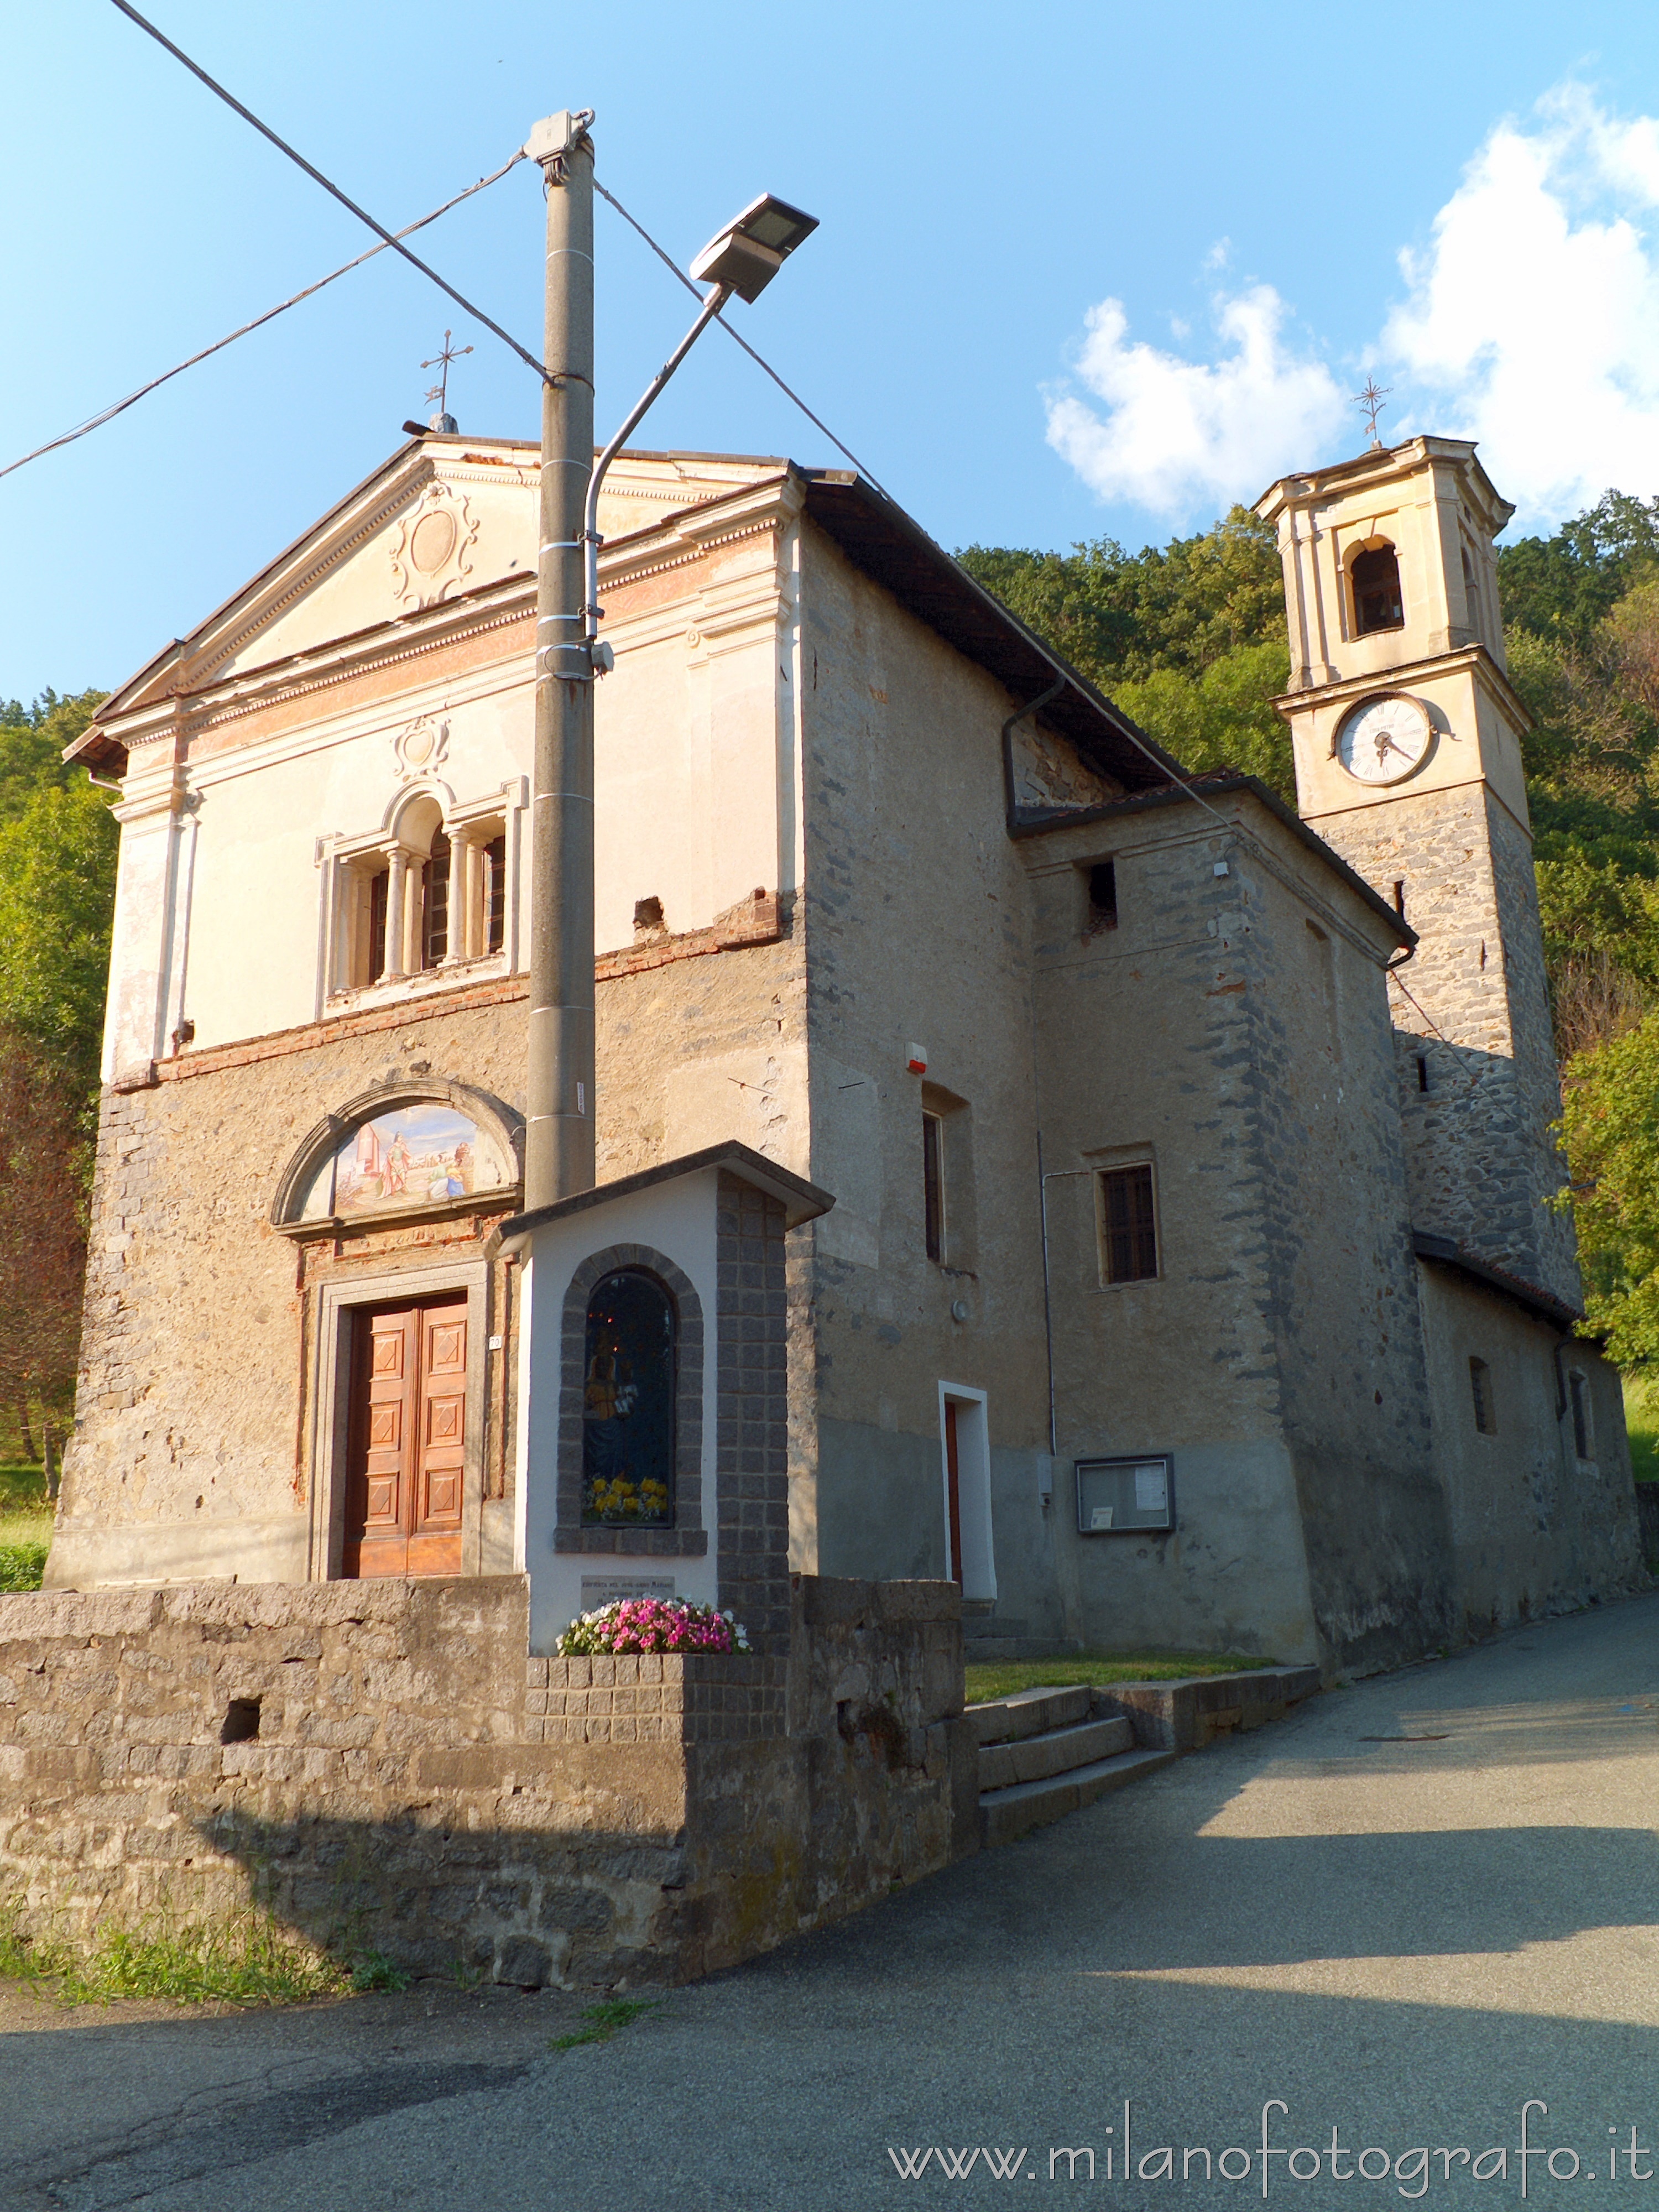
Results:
932 1184
1128 1224
1578 1392
1102 896
1422 1070
1485 1418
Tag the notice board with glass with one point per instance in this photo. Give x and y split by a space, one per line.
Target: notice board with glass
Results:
1121 1497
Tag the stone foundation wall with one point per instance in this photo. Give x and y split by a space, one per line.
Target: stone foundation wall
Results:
380 1766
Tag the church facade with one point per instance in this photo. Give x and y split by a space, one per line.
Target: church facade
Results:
1118 1192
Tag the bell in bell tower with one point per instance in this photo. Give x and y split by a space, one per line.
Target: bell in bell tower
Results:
1406 734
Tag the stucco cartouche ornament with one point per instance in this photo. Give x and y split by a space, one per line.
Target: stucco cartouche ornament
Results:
429 552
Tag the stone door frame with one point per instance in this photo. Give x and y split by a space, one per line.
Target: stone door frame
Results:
337 1302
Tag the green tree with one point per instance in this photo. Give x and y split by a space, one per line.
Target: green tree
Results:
57 851
32 742
57 898
1610 1121
1188 638
1564 587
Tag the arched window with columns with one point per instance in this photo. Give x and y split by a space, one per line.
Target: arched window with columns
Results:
431 891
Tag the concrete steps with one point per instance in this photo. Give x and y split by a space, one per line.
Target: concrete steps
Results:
1044 1752
987 1634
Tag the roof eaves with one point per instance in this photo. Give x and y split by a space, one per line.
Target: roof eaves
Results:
1214 784
1448 1253
1025 662
802 1200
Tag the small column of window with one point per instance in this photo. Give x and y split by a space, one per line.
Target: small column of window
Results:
394 930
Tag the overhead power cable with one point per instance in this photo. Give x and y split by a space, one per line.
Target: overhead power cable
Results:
669 262
388 237
870 476
108 414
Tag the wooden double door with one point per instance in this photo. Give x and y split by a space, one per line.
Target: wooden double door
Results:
406 1481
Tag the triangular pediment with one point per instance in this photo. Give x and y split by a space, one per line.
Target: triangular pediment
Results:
439 521
435 524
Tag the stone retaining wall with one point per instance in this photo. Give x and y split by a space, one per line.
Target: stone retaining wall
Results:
380 1765
1187 1715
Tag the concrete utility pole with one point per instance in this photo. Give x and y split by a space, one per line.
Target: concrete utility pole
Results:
559 1120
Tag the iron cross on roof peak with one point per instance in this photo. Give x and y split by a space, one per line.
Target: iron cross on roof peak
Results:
440 392
1371 402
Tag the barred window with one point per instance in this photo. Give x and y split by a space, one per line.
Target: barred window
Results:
1128 1224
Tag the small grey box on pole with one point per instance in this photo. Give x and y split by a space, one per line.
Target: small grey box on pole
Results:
559 1148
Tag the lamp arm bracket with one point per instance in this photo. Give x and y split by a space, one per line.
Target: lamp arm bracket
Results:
711 308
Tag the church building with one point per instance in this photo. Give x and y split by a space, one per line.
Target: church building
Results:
1018 1161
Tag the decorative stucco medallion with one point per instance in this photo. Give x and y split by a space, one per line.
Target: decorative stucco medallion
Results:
431 546
421 747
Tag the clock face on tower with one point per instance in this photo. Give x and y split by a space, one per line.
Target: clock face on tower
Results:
1384 738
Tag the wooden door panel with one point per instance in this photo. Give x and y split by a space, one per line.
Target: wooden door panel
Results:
406 1483
443 1421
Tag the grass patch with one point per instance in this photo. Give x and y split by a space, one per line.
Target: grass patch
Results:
25 1527
988 1679
604 2020
23 1489
22 1566
1641 1420
245 1960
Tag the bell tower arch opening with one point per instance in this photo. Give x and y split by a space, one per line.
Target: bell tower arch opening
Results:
1374 587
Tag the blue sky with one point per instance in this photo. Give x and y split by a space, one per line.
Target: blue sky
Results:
1083 268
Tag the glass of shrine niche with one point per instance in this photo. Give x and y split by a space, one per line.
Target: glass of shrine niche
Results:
628 1362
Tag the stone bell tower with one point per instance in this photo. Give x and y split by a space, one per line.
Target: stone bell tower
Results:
1407 739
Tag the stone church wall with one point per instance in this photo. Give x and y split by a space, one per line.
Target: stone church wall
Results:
1232 1030
1535 1528
378 1765
916 931
192 1453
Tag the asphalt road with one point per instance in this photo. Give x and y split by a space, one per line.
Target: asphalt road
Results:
1400 1915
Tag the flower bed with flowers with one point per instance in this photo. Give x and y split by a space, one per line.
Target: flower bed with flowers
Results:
651 1623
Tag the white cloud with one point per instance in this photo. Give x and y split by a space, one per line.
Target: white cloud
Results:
1177 434
1532 322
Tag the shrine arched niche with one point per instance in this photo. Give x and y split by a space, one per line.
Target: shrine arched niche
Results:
402 1149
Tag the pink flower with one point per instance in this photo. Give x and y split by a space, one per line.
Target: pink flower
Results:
649 1624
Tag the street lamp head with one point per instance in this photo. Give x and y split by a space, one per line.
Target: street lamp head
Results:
750 252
